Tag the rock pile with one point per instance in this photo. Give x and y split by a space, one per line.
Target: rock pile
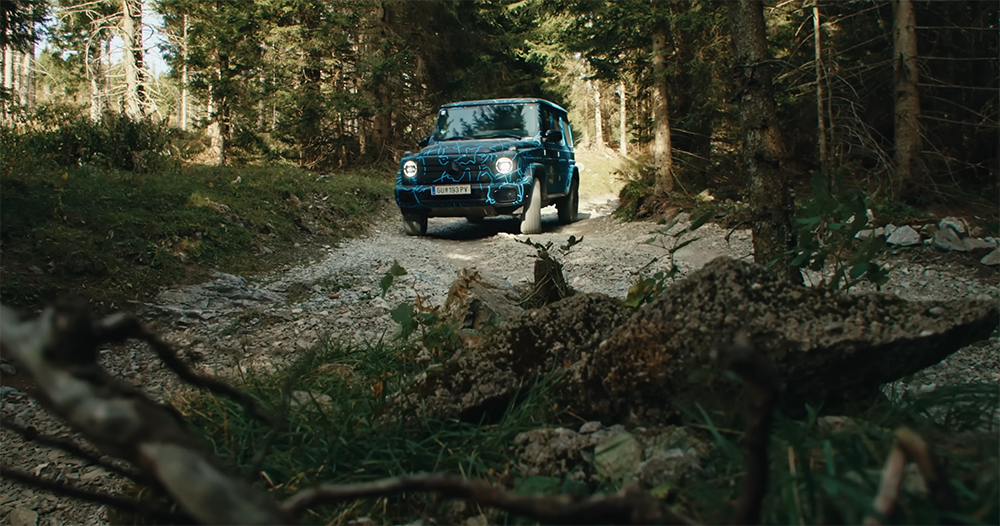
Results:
651 457
951 234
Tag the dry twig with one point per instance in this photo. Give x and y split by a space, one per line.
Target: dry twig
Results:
909 447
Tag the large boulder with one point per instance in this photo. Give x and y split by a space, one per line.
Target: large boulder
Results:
828 346
616 365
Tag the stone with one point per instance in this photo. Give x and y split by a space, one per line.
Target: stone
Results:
304 399
904 236
92 474
676 466
947 239
868 232
977 231
7 368
23 517
835 424
478 520
618 457
992 259
972 243
591 427
477 304
954 223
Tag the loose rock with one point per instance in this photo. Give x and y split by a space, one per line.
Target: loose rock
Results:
992 259
23 517
904 236
947 239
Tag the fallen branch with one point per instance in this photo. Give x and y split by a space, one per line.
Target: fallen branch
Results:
629 506
59 350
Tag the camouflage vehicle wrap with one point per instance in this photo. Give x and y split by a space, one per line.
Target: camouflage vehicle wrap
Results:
491 158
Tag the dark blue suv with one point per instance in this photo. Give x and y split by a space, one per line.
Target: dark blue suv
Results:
491 158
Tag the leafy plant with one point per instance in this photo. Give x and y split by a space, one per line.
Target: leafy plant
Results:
438 334
826 232
644 290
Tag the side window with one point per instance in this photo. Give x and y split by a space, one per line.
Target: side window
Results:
566 132
548 122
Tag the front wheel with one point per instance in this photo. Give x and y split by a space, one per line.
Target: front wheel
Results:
568 206
531 219
414 224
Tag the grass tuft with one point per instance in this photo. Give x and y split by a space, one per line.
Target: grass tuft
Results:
117 235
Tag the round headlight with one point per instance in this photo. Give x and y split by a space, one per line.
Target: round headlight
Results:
505 165
410 169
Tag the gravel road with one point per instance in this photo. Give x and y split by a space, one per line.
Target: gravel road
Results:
245 322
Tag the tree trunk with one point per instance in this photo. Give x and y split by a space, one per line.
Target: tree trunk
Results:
26 93
216 149
824 154
767 183
93 68
662 155
586 128
131 34
182 115
598 118
8 80
907 127
623 135
382 122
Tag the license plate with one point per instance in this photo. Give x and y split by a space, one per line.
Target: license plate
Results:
455 189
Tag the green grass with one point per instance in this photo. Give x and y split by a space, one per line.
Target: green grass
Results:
349 438
114 235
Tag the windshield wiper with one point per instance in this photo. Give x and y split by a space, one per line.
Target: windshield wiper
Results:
457 139
501 135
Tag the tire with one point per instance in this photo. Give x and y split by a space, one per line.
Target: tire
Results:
531 219
475 220
569 206
414 225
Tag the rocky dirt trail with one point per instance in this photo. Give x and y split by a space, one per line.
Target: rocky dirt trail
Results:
238 323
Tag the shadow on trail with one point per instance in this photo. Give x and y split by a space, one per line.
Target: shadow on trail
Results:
460 229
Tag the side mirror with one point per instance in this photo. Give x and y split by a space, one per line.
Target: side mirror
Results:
425 141
553 136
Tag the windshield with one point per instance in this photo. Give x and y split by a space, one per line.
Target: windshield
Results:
486 122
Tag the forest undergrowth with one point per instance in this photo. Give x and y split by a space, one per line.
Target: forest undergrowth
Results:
820 474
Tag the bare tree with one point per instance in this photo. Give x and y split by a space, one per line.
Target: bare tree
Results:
907 98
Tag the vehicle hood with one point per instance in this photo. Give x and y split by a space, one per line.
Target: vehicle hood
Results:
453 149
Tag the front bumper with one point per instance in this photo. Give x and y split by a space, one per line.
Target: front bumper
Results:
485 200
